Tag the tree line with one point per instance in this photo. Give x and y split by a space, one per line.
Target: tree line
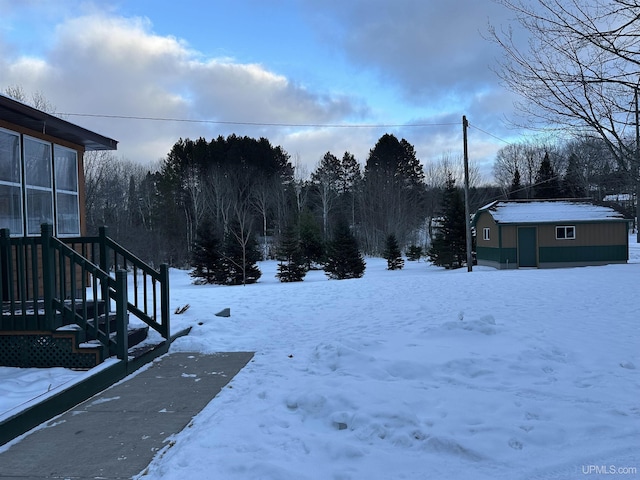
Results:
246 192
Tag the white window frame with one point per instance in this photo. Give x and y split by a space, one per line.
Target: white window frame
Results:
12 231
486 233
566 230
61 191
28 186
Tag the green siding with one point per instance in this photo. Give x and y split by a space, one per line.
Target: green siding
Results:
500 255
488 253
597 253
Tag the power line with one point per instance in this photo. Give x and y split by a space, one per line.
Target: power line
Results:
490 134
262 124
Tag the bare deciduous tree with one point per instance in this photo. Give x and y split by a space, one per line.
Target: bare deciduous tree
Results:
580 69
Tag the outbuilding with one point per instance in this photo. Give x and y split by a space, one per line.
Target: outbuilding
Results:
550 233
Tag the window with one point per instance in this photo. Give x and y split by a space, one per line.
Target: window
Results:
486 233
10 183
38 184
67 204
565 233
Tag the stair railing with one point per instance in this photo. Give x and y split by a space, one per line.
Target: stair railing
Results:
40 279
148 297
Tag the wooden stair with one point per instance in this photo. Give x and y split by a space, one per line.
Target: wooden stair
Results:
69 346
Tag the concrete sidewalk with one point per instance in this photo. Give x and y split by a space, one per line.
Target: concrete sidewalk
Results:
116 434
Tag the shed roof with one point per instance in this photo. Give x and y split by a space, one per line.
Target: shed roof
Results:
26 116
550 211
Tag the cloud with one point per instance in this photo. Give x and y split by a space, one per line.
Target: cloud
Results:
431 49
400 59
101 64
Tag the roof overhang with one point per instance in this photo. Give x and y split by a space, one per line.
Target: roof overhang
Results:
26 116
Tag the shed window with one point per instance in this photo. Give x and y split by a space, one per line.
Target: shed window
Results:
565 233
486 233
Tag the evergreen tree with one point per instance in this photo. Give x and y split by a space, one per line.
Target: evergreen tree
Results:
240 258
344 259
292 267
414 252
393 193
206 256
311 244
392 254
547 185
448 248
516 190
573 184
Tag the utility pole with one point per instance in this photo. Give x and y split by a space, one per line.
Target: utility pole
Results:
637 168
467 213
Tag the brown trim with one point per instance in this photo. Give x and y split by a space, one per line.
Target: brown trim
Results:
39 135
82 194
26 116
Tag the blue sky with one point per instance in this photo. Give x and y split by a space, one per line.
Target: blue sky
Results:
294 62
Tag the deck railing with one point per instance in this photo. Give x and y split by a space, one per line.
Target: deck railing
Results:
48 282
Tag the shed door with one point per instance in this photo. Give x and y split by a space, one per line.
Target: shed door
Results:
527 247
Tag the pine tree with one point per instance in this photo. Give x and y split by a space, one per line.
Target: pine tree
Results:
240 258
547 185
206 257
344 259
516 191
310 240
392 254
573 183
449 245
414 252
292 267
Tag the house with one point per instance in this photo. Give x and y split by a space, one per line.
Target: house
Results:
550 233
64 295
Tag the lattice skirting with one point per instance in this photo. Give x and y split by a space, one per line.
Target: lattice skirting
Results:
45 349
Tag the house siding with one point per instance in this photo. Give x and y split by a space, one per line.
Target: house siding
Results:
485 221
509 236
587 234
593 254
497 257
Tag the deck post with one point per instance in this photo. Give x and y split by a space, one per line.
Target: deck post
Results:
104 265
48 276
5 280
164 299
122 316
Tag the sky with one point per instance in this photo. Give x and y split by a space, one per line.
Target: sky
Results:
296 72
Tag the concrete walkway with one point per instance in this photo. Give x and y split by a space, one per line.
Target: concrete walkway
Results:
116 434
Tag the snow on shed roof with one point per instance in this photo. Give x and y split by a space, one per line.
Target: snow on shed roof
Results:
550 211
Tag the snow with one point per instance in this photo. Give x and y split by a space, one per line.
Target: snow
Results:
410 374
550 211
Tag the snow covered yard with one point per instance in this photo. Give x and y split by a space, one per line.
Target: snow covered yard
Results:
419 373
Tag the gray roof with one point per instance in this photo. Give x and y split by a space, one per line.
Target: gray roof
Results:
550 211
26 116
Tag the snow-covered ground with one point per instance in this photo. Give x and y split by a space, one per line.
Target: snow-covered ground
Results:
412 374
